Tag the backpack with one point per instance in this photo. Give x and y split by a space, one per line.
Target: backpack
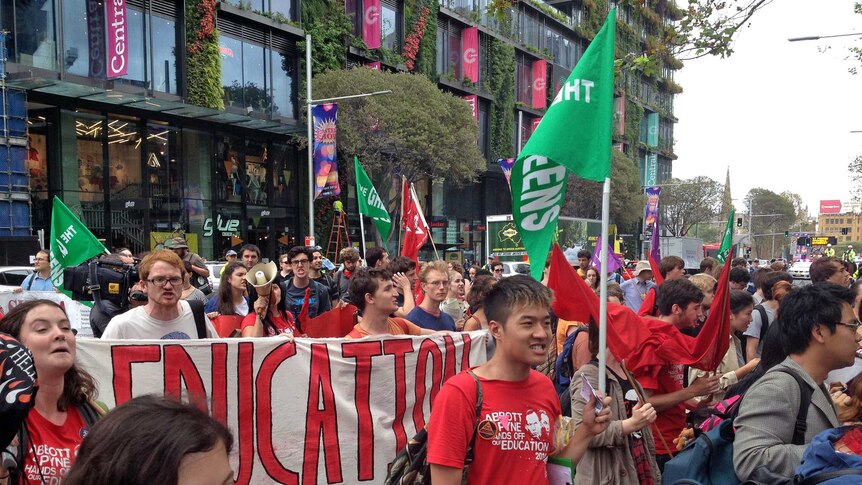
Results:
708 460
764 326
411 465
17 386
565 369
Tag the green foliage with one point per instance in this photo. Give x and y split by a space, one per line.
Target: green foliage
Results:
329 27
772 213
688 203
856 52
502 86
634 116
584 197
426 59
203 77
417 131
709 26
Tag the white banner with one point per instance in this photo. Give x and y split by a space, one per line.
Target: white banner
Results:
304 412
78 313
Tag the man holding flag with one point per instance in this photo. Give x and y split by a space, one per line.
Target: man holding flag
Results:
71 243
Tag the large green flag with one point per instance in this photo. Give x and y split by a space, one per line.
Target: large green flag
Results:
575 134
71 242
727 240
370 203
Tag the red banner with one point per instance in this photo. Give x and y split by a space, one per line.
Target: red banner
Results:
473 101
416 231
374 65
470 53
540 74
371 24
830 206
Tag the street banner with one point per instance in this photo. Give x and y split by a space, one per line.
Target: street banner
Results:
78 313
470 53
374 65
416 230
370 203
118 47
71 243
325 162
650 169
304 411
540 79
652 129
651 209
614 262
575 135
96 39
506 165
727 239
473 101
371 24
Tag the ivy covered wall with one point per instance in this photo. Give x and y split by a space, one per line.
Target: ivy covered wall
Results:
502 85
203 81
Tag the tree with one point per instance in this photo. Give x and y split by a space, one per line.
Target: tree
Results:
417 131
771 214
709 26
689 202
855 169
584 197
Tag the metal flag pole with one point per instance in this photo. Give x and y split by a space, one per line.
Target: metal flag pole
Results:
603 293
310 136
362 232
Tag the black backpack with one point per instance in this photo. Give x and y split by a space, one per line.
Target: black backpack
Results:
17 386
565 370
764 326
411 465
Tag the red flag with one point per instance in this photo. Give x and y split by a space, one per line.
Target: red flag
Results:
336 323
470 53
416 230
371 24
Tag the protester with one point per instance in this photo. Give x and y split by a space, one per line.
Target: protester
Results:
201 274
514 397
125 255
708 265
150 440
848 400
670 268
64 409
231 298
349 257
269 318
497 270
830 270
584 257
733 366
374 294
624 453
249 255
739 278
40 280
679 303
284 270
455 305
164 316
635 289
477 320
189 291
230 257
817 331
581 352
755 287
317 273
472 272
403 270
293 289
763 315
434 279
376 257
707 285
591 276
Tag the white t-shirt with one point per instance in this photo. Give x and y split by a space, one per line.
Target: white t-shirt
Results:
137 324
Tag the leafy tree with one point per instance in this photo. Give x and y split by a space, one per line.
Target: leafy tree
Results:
708 27
584 197
687 203
855 169
771 214
417 131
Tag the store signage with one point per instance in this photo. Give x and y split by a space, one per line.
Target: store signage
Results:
470 53
95 39
267 212
227 227
118 52
830 206
135 204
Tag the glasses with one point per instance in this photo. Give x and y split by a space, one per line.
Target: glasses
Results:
854 326
162 281
299 262
499 270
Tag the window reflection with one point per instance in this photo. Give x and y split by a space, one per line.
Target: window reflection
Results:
34 43
388 27
164 69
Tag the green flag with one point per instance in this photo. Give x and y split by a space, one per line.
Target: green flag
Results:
727 239
575 135
370 203
71 242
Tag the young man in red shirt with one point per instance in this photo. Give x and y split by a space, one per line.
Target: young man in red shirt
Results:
519 409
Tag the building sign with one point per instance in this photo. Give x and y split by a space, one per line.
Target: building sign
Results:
267 212
540 76
823 240
650 170
830 206
118 46
470 53
95 38
473 101
226 227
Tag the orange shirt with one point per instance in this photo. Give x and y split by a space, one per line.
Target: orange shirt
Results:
397 326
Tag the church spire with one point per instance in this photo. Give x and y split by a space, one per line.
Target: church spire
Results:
726 200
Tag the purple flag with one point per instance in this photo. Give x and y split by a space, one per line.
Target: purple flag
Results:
506 164
614 262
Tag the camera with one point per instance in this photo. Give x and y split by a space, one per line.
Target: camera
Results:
102 280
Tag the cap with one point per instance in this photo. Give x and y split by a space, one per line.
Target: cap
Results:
641 267
178 243
230 252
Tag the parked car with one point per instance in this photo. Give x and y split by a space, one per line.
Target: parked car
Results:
799 270
215 273
511 269
12 277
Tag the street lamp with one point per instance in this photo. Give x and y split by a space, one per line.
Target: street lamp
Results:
818 37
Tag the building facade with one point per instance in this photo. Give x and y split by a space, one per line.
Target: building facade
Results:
129 153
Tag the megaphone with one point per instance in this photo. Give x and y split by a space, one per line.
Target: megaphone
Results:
261 276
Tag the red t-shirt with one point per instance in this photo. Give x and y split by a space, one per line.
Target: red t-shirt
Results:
282 323
516 428
670 422
55 446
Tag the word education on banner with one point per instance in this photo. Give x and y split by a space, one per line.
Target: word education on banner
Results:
308 411
325 163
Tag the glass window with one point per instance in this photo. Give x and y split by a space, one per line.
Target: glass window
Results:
256 173
388 27
128 224
35 40
164 70
255 92
441 51
455 52
76 57
164 176
229 183
285 182
524 82
283 84
231 69
352 7
284 7
138 55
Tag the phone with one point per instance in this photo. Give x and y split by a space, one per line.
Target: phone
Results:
587 389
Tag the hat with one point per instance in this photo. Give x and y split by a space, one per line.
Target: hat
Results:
642 266
230 252
178 243
850 246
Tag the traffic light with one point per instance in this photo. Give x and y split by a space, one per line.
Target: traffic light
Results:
738 222
786 233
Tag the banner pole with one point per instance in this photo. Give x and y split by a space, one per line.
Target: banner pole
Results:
310 136
603 294
362 232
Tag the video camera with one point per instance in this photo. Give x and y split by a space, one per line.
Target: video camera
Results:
102 280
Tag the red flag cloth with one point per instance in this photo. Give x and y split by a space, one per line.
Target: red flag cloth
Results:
415 229
647 308
337 323
470 53
371 24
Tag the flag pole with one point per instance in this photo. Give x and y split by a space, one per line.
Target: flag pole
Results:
603 295
362 232
401 214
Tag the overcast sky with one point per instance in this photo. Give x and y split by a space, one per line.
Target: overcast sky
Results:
778 113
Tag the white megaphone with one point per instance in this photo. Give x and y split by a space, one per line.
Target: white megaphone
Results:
261 277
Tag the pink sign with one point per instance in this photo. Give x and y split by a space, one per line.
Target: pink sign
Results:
540 74
473 101
535 124
470 53
118 51
830 206
374 65
371 24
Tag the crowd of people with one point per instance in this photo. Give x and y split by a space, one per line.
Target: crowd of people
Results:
793 357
